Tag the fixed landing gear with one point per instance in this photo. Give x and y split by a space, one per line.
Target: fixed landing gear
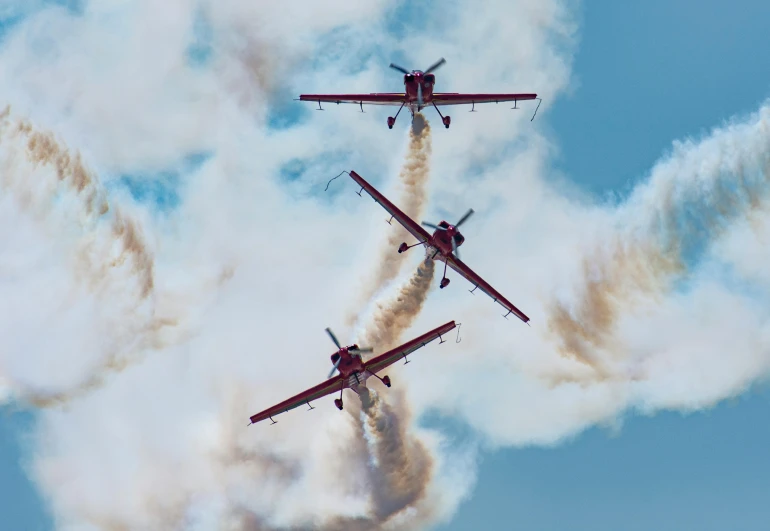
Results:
392 119
446 120
338 401
385 380
403 247
444 279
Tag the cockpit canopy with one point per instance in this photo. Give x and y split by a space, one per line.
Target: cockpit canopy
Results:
428 79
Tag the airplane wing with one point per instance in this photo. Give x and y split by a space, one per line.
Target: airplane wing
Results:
416 230
450 98
326 388
378 363
375 98
459 266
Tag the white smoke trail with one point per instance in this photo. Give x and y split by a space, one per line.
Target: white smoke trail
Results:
391 317
413 177
690 200
399 466
175 455
219 469
69 230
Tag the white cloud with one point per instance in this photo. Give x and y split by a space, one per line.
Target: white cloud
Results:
250 269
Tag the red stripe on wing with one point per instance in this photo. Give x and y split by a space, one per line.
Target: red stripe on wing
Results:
407 222
382 98
326 388
459 266
463 99
382 361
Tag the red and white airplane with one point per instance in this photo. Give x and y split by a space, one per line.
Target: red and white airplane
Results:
353 371
418 94
442 245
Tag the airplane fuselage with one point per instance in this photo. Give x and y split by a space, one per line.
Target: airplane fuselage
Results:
353 369
418 94
440 244
349 364
418 88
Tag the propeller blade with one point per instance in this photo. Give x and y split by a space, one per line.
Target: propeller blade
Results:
334 338
336 364
399 68
465 217
455 250
435 65
432 226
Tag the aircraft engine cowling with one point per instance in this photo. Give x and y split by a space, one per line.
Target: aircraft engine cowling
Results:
335 357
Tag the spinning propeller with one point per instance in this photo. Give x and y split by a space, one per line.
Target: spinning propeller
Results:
463 219
430 69
353 351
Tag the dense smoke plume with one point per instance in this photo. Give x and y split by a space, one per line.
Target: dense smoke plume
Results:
392 315
413 178
401 464
164 444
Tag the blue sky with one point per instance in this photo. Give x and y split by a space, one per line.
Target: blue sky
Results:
648 73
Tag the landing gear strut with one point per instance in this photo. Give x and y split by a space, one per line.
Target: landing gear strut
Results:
403 247
392 119
444 281
445 119
385 379
338 401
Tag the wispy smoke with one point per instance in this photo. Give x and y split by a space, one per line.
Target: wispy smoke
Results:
102 251
665 227
413 177
165 445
